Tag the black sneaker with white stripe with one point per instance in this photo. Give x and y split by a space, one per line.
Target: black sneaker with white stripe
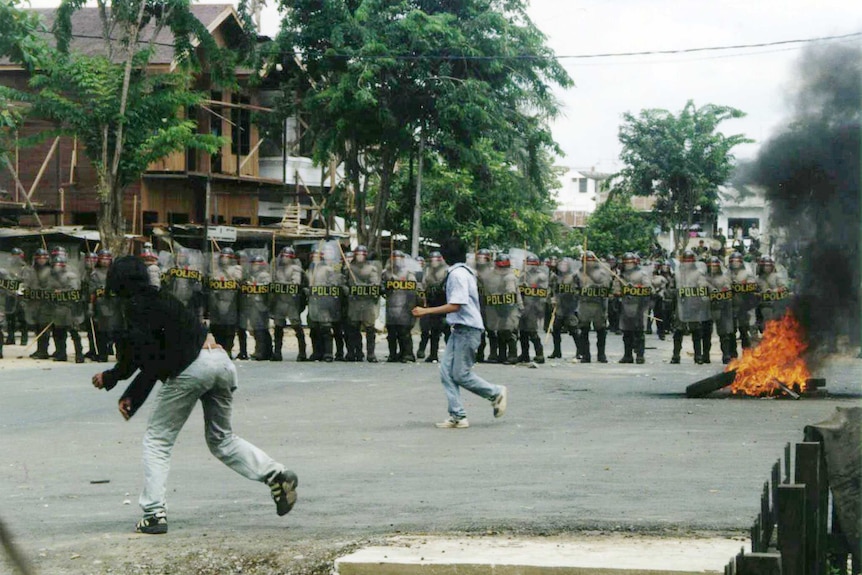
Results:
155 524
283 489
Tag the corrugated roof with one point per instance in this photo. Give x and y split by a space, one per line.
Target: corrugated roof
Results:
87 30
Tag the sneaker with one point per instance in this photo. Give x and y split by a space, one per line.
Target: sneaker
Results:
500 403
453 423
153 524
283 489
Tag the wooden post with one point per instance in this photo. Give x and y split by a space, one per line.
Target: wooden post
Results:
791 529
134 213
760 564
20 186
44 167
808 473
62 207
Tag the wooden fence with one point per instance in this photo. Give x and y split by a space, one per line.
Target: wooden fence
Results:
797 531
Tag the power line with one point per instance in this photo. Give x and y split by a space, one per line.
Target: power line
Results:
429 57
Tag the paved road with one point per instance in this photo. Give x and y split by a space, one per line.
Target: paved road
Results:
582 446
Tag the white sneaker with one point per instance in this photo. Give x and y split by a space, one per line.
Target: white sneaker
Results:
453 423
500 403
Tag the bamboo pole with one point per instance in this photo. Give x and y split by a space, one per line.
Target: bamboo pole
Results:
41 333
20 186
62 207
44 167
134 213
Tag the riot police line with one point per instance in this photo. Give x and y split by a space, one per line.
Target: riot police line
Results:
332 306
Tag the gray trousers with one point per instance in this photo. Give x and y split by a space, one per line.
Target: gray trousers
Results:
211 378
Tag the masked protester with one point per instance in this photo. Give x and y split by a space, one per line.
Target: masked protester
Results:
692 306
721 310
746 297
324 305
534 295
287 301
165 341
593 307
503 306
483 268
434 282
222 292
363 305
401 290
254 310
633 289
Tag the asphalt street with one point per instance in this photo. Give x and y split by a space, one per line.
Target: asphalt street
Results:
581 447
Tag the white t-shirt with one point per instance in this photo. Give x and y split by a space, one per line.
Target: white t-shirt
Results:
462 289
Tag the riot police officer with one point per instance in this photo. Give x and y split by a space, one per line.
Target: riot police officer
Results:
613 302
15 317
483 270
106 316
38 306
692 306
746 297
721 310
401 289
287 301
434 325
593 307
503 306
223 298
566 299
324 305
633 289
363 305
774 295
254 316
534 294
67 312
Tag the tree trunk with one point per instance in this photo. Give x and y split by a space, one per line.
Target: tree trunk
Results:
378 219
111 224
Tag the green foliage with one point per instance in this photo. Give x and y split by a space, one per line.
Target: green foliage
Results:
490 202
681 159
616 227
376 73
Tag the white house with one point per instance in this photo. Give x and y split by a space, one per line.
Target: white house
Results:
747 210
577 197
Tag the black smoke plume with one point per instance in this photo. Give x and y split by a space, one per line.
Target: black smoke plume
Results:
811 171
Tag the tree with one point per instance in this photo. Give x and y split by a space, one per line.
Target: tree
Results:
99 98
375 74
616 227
680 159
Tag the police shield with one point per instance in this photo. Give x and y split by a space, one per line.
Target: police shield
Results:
721 301
287 298
222 288
363 290
635 295
502 309
325 284
595 289
692 291
401 289
534 288
254 291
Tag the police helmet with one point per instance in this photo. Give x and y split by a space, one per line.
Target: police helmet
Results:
257 259
60 260
287 252
398 254
502 261
714 264
532 260
435 256
360 249
91 256
687 257
17 252
590 256
148 255
630 260
484 254
420 259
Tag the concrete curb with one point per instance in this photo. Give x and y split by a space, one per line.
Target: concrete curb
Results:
574 555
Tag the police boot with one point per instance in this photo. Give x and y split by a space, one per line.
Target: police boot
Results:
627 348
585 346
727 344
91 345
557 337
405 342
697 346
493 348
326 344
540 349
25 332
392 340
745 339
338 336
76 343
649 324
601 342
316 344
706 347
677 346
41 343
300 342
525 347
278 341
370 341
423 343
262 345
10 337
435 348
242 336
59 334
639 346
512 355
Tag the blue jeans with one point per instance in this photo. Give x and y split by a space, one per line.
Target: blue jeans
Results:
456 370
211 378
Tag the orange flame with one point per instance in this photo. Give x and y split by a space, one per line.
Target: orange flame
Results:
778 357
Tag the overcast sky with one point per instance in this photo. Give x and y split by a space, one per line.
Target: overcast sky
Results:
754 80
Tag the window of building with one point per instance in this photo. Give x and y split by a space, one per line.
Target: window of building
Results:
178 218
240 141
582 185
240 221
150 219
85 219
